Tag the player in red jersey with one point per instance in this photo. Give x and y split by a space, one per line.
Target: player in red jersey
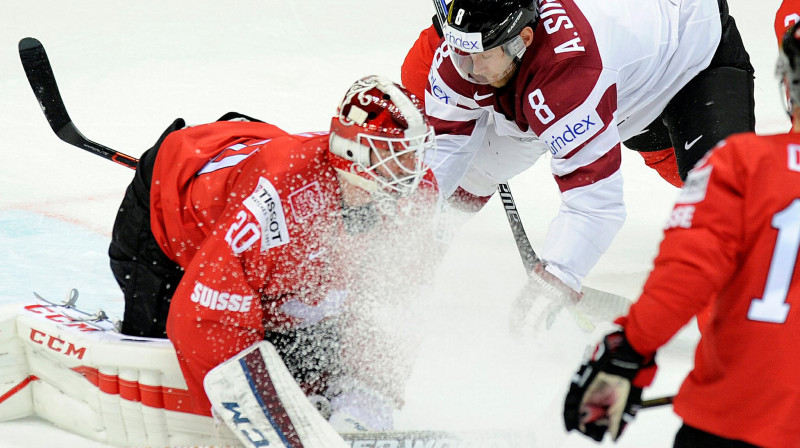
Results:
236 231
733 241
513 80
788 14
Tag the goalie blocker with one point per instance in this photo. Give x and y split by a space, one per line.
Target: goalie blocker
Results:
254 394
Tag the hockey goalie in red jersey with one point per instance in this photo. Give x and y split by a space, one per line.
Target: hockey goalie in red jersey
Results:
236 231
733 241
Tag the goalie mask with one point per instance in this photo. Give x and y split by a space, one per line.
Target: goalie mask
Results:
484 36
379 137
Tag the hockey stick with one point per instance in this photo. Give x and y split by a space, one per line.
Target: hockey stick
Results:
526 252
441 11
657 402
43 82
529 259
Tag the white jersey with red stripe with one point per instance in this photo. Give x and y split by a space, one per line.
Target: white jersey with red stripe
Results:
595 74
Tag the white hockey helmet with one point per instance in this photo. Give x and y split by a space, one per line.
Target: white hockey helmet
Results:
379 137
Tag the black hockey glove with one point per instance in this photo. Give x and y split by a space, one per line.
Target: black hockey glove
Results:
606 391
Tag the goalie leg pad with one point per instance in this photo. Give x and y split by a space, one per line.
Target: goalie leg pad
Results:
257 397
16 399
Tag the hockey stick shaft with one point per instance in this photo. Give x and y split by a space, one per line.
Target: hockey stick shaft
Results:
530 258
441 11
657 402
526 252
43 82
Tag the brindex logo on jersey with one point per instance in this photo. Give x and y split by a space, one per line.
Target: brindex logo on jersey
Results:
467 42
441 91
572 131
265 205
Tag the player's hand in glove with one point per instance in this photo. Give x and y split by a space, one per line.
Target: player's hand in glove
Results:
606 391
543 281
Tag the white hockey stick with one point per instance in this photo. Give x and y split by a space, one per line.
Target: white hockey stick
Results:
442 439
257 397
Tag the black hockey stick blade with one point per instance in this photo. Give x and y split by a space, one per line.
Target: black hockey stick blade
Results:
43 82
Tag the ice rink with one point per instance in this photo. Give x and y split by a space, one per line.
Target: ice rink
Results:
127 69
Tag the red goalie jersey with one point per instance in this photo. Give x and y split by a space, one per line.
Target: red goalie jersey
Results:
733 240
254 221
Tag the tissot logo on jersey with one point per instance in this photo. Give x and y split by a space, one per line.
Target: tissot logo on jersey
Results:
265 205
563 137
220 300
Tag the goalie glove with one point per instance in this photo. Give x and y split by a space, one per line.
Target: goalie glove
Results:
606 392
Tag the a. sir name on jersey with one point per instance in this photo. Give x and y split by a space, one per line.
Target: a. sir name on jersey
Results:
554 18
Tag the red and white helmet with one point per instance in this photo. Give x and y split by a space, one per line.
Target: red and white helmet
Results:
379 137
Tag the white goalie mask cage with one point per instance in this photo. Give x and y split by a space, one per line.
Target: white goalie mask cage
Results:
380 136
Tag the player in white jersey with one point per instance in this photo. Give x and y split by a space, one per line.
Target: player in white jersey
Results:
514 79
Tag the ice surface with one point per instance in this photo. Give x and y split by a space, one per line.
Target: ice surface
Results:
127 69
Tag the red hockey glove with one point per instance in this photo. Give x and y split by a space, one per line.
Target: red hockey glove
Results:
606 391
